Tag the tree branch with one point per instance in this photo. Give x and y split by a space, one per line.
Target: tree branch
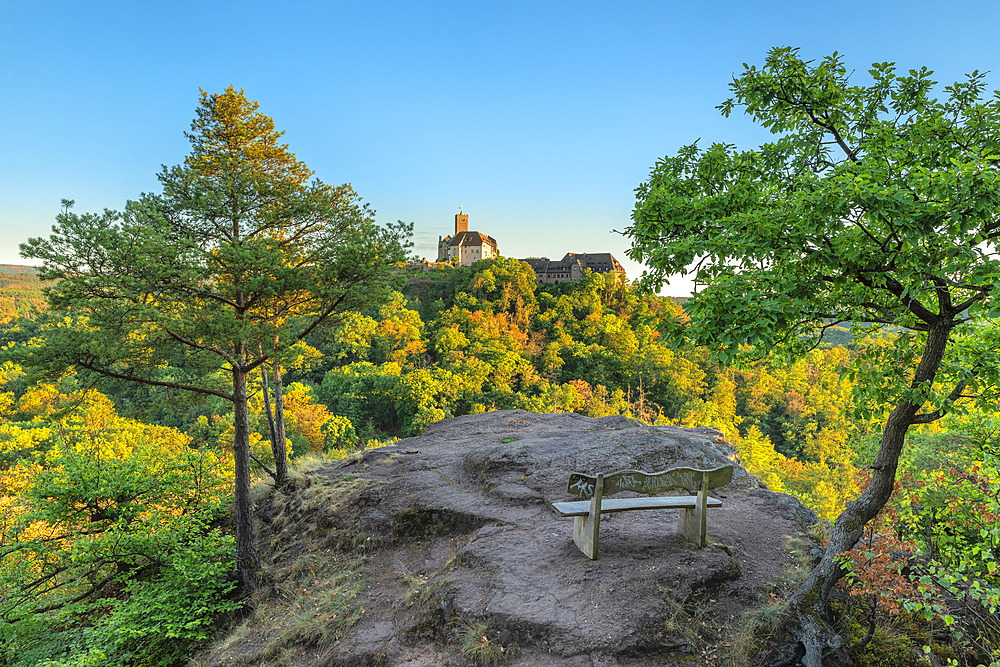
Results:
965 305
266 469
956 393
205 348
896 289
156 383
326 313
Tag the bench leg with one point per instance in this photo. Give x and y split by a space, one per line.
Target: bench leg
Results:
586 534
587 529
691 523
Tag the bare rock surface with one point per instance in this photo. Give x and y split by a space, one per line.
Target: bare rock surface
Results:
464 532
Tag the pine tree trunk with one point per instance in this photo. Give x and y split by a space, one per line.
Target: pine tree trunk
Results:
247 562
280 448
807 607
281 469
267 405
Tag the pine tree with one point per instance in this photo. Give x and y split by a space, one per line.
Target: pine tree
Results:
239 257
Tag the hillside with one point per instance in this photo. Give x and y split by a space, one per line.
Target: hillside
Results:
20 292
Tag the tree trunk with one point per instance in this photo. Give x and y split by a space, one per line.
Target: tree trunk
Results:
267 405
247 562
807 607
280 449
277 451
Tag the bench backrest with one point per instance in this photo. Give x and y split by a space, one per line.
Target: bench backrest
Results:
644 482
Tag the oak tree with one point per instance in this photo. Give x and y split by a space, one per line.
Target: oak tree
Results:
240 256
875 204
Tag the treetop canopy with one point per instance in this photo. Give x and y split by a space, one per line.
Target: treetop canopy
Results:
874 203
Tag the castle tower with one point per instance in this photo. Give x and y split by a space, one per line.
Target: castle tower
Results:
461 223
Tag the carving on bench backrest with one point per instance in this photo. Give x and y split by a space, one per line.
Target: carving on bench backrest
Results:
581 485
644 482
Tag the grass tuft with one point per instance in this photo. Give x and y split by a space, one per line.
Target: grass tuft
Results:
481 646
756 630
759 628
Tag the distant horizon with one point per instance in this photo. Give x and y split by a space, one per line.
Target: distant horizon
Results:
670 296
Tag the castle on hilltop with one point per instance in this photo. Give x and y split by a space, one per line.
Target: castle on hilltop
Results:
466 247
572 267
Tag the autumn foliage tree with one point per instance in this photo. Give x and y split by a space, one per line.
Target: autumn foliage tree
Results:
108 552
240 256
876 205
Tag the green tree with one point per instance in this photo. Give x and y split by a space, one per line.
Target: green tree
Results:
106 542
239 257
874 204
509 284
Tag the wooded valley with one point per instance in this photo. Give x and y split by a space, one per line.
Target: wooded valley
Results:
115 494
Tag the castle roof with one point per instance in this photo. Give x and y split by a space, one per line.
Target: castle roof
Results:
537 263
595 261
598 262
471 239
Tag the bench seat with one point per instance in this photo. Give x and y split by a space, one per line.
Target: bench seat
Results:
691 519
582 507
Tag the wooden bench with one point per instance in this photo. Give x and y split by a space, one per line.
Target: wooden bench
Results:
690 523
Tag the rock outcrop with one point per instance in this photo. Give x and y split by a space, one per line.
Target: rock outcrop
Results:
464 513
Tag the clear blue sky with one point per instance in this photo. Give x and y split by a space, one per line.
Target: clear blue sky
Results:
539 118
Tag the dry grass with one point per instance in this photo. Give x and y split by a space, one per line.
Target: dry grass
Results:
314 461
308 609
758 628
313 603
481 646
796 573
308 585
423 587
687 619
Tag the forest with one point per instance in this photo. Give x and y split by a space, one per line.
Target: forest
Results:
115 494
20 293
